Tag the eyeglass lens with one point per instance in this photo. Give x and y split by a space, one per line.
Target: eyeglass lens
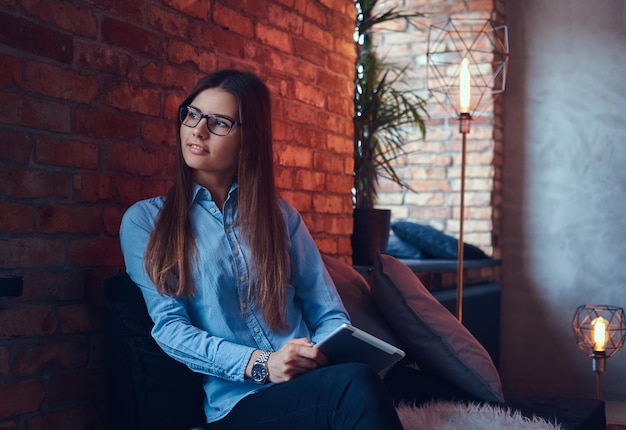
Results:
217 125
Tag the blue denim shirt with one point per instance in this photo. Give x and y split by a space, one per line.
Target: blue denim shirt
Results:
216 331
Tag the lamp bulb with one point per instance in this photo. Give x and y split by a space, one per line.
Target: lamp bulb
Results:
600 326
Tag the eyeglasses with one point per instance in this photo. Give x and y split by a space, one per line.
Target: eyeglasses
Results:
216 124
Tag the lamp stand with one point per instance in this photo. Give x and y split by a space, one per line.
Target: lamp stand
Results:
598 364
464 128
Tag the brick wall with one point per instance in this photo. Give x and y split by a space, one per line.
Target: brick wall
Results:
88 95
432 167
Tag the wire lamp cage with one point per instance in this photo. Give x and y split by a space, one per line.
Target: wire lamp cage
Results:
600 332
467 61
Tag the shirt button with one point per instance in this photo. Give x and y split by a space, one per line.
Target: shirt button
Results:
212 210
256 330
244 305
242 278
236 252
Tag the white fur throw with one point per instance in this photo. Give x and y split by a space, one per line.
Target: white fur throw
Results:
463 416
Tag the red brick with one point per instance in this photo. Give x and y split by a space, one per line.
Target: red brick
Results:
170 76
155 187
80 318
16 217
310 94
174 23
71 153
132 11
65 353
32 112
54 285
104 123
331 204
141 159
314 12
310 52
272 36
107 59
15 146
25 35
309 180
158 132
333 82
65 15
340 184
11 71
27 321
124 96
31 252
301 201
300 112
60 82
112 216
133 37
334 123
317 34
72 387
106 188
20 398
286 19
230 19
198 9
30 183
327 245
290 155
337 225
78 417
69 219
95 252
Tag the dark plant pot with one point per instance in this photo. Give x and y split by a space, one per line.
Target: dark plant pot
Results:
370 234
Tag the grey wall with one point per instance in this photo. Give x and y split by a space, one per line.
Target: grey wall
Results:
564 219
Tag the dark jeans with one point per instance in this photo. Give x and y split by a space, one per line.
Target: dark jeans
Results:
342 397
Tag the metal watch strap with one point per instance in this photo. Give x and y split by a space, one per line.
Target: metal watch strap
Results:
265 355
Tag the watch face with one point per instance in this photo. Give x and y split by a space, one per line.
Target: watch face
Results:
259 372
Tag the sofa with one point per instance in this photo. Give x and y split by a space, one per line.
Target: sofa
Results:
146 389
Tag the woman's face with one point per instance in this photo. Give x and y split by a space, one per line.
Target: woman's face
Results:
212 158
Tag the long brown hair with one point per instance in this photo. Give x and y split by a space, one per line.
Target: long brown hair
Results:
171 250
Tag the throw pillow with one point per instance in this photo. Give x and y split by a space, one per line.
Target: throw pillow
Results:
433 242
435 339
357 299
399 248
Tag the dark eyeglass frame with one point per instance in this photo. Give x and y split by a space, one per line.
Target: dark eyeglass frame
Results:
211 120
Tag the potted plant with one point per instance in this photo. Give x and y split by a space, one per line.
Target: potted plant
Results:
383 108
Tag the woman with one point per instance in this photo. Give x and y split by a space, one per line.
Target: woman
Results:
233 280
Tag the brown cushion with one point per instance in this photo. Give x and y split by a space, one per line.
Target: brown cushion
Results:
430 333
357 298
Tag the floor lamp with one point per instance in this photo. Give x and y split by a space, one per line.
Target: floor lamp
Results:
467 63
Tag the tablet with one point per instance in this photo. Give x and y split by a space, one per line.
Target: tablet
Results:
348 344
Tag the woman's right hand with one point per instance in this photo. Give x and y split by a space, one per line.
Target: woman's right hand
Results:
295 358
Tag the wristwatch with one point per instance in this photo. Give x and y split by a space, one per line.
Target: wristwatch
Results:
259 370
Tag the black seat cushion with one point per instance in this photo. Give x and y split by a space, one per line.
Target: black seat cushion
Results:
146 388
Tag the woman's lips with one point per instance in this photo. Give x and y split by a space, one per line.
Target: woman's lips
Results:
196 149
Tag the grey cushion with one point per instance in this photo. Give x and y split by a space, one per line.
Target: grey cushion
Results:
431 334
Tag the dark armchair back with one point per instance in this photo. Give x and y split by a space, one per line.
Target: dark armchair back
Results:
146 389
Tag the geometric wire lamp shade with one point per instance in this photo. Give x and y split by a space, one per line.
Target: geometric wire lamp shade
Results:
467 62
485 45
599 328
600 331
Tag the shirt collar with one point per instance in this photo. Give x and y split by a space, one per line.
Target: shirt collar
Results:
200 192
